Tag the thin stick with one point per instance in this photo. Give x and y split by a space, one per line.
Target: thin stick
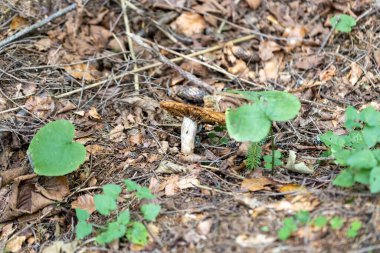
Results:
130 44
188 76
37 25
177 59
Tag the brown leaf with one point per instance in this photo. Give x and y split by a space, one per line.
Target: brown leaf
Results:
256 184
271 68
41 106
266 49
376 55
355 73
82 71
84 202
93 114
15 244
189 23
117 134
254 4
55 188
194 112
328 74
309 62
295 36
43 44
18 23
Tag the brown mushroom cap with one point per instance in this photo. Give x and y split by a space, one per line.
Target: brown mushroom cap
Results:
196 113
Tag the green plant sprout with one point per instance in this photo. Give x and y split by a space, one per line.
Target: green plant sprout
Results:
358 149
343 23
291 224
52 151
253 122
122 226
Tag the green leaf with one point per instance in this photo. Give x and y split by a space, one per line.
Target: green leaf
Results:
363 159
287 229
335 142
144 193
343 23
114 231
137 234
336 223
247 123
124 217
104 203
344 179
264 228
370 116
362 176
354 228
112 190
374 180
371 135
352 118
131 185
320 221
150 211
302 216
52 150
83 229
82 215
277 105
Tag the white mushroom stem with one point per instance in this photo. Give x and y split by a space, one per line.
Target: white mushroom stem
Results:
188 132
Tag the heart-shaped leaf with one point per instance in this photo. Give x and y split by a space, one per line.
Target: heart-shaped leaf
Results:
53 152
247 123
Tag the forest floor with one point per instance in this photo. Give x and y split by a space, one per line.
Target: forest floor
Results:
82 67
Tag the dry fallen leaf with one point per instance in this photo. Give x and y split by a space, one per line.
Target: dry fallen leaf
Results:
61 247
189 23
82 71
43 44
18 23
327 74
295 36
254 4
117 134
84 202
15 244
267 48
93 114
271 68
254 241
41 106
376 55
355 73
297 167
308 62
204 227
256 184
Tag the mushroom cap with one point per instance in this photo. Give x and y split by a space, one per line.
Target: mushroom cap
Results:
196 113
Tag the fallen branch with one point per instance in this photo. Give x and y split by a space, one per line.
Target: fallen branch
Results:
37 25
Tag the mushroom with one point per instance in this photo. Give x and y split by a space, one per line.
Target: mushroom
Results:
192 115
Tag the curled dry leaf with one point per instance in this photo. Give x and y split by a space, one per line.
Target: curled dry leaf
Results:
84 202
93 114
254 4
297 167
355 73
256 184
168 167
15 244
189 23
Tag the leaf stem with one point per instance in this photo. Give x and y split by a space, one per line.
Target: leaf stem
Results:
272 147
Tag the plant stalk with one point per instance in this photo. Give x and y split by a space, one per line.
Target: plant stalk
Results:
272 147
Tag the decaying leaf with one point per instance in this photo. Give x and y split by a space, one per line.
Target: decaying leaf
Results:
189 23
376 55
168 167
82 71
254 4
295 36
61 247
267 48
256 184
194 112
84 202
309 62
41 106
297 167
117 134
15 244
355 73
18 23
253 241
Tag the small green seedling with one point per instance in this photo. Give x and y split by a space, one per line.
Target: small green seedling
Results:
288 228
253 122
52 151
358 150
343 23
354 228
336 223
320 221
272 161
217 137
123 225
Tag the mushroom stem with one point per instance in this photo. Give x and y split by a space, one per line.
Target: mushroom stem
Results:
188 132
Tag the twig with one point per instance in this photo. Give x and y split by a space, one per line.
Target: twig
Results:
130 44
177 59
37 25
190 77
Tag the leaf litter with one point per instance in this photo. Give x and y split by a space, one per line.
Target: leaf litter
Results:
136 136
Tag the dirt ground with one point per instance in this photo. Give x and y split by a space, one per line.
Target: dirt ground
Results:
87 66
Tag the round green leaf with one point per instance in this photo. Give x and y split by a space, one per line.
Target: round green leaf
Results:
279 105
247 123
343 23
53 152
150 211
137 234
83 229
